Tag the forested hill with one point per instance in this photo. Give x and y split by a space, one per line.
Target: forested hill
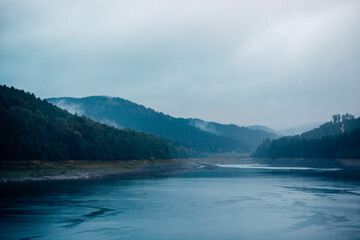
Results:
339 125
123 113
338 139
33 129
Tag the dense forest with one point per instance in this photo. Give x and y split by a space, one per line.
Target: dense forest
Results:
191 132
34 129
327 145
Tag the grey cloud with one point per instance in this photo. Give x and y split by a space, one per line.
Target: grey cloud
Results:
278 63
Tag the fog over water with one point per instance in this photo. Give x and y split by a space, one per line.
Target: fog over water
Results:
276 63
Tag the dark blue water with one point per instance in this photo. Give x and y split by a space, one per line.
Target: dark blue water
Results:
224 203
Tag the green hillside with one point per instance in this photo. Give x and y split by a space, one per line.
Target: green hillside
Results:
346 123
33 129
337 139
123 113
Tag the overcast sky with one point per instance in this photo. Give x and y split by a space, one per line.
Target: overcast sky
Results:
279 63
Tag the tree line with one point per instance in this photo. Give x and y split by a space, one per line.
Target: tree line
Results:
337 118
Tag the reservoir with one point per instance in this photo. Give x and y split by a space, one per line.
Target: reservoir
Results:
224 202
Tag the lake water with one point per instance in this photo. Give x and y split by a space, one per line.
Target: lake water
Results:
230 202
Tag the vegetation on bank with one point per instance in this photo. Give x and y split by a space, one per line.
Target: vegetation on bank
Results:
34 129
337 139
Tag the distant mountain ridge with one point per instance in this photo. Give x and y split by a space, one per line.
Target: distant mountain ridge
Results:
198 134
263 128
232 131
289 131
298 129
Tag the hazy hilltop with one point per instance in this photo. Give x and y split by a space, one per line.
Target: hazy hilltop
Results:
262 128
245 134
34 129
298 129
289 131
198 134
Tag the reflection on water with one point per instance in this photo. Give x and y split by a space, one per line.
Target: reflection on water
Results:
223 203
266 167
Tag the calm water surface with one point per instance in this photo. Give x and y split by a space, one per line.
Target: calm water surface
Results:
223 203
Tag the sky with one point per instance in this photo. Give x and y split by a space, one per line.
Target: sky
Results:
279 63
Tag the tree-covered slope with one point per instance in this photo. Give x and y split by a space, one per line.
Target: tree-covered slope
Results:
123 113
338 139
340 146
346 123
34 129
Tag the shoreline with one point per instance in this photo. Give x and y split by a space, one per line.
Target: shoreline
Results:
24 171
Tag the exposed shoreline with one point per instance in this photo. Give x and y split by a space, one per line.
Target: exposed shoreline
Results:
18 171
